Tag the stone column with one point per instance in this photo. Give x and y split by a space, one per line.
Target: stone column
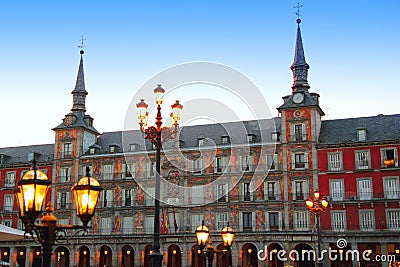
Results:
28 257
12 257
385 253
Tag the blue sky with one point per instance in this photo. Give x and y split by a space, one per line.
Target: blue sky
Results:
351 46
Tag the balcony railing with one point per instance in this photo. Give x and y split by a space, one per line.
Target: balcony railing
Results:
298 137
362 228
360 196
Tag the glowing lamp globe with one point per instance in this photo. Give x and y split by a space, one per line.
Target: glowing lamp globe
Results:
86 192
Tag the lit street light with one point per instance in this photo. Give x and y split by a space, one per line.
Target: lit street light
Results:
31 194
157 135
317 206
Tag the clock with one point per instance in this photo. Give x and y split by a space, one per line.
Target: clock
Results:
68 120
298 98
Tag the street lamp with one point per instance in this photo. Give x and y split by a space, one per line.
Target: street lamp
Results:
156 135
31 194
316 206
203 235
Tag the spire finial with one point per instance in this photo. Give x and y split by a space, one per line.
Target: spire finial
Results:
298 6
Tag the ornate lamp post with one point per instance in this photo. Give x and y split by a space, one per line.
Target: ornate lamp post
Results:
156 135
31 194
316 206
203 235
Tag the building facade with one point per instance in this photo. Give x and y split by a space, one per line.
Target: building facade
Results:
254 175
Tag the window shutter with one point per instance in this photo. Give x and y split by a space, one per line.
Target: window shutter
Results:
303 132
253 221
109 198
241 221
216 165
280 220
266 215
68 200
59 200
251 189
294 190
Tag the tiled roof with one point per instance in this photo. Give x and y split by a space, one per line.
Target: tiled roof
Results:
344 131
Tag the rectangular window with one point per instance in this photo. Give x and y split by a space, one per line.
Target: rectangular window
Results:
364 189
220 164
105 225
134 147
149 224
299 190
222 220
197 166
129 171
197 194
272 190
361 134
225 140
272 162
127 197
251 138
150 169
301 220
367 220
247 163
8 202
200 142
336 187
391 187
247 221
196 220
393 219
299 161
299 134
108 172
389 158
20 225
338 221
63 200
246 194
107 198
127 224
149 196
222 192
67 150
65 175
362 160
273 220
10 179
275 136
335 161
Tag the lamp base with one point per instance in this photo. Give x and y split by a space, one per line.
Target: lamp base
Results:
155 259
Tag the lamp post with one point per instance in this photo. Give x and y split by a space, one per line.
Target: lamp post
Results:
203 235
31 194
317 205
156 135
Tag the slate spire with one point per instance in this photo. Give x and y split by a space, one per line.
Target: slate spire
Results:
79 93
299 66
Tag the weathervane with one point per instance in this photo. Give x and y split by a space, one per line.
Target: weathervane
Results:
298 6
82 45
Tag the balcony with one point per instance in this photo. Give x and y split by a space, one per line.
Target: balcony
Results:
362 196
298 137
365 228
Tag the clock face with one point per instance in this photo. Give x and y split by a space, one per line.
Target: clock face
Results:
298 98
68 120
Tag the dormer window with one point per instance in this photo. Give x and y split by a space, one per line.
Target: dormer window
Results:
275 136
200 141
134 147
361 134
91 150
30 156
251 138
113 148
225 140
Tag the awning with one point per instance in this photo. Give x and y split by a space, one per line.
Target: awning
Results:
10 234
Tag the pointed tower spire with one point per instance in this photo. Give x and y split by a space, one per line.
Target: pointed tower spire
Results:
79 93
299 66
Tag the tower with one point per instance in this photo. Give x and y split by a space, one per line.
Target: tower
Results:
300 126
73 137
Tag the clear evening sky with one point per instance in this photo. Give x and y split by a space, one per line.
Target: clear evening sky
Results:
352 48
